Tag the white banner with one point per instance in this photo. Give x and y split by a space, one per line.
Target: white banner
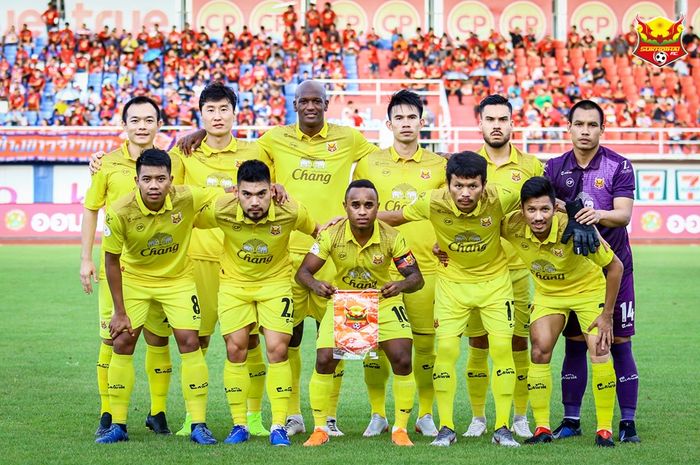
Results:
16 184
70 183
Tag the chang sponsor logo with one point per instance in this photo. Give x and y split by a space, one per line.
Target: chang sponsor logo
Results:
312 170
467 242
160 244
360 278
401 195
255 251
545 271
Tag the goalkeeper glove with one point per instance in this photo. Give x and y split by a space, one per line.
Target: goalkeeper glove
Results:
585 236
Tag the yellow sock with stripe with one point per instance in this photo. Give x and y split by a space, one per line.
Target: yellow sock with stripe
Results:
603 379
335 393
445 379
237 385
522 366
103 359
376 376
423 364
294 357
539 383
478 379
279 387
195 385
320 389
159 369
121 383
404 396
257 372
502 378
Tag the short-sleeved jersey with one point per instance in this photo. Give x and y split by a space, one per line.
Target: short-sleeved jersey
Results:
315 170
607 176
471 240
255 252
520 167
398 182
153 245
114 180
556 269
208 167
361 267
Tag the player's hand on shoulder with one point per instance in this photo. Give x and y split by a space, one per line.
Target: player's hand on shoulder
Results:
279 194
331 222
190 142
588 216
96 162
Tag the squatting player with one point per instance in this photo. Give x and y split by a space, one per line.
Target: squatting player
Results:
255 290
604 180
146 238
565 283
363 250
400 173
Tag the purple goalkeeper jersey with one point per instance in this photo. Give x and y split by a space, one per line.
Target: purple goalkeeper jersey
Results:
607 176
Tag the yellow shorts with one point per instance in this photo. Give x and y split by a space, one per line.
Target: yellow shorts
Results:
492 300
587 308
269 306
393 323
306 303
206 278
520 280
156 322
178 300
419 307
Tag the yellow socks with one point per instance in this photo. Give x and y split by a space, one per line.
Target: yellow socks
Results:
335 393
478 380
121 383
539 384
502 378
256 370
320 389
195 385
103 359
376 376
604 393
237 385
444 379
279 388
423 364
404 394
294 357
522 366
159 369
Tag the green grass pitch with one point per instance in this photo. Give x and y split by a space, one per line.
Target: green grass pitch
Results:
49 402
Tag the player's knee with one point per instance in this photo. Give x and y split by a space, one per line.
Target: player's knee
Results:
519 343
401 364
447 350
325 363
124 344
276 353
479 342
500 347
540 355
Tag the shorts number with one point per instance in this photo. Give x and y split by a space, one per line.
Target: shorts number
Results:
400 314
627 311
287 303
510 306
195 305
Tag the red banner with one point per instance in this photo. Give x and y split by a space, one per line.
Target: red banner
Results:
42 221
54 146
465 16
665 223
607 19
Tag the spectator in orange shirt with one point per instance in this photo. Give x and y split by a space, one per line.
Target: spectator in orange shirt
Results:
328 17
313 18
25 35
289 18
50 16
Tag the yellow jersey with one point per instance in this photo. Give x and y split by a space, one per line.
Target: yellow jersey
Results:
471 240
255 252
398 182
153 245
520 167
314 170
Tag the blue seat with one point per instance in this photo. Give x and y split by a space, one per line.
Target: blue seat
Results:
290 89
305 67
32 117
46 114
245 67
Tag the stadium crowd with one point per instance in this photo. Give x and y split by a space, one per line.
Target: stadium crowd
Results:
72 76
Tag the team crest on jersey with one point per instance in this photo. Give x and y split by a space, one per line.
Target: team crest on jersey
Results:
176 217
331 146
515 176
524 246
558 252
599 183
378 259
425 174
486 222
275 230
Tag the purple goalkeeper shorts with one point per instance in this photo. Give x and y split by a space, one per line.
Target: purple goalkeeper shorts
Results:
623 316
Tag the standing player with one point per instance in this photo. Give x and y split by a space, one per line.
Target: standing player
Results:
604 181
564 283
146 239
508 167
141 120
256 290
312 159
363 250
400 173
466 216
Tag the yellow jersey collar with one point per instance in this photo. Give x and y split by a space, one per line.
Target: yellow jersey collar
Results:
417 157
374 239
323 132
553 236
168 205
240 217
512 157
209 151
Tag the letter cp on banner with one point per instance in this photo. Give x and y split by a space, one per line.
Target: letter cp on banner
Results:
607 19
462 17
